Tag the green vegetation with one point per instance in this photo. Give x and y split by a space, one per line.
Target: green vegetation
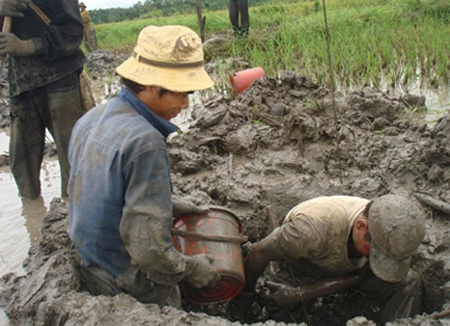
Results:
373 42
156 8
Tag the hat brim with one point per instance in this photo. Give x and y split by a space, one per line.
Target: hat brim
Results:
172 79
386 268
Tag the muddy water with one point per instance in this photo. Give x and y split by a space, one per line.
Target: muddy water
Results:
437 101
20 220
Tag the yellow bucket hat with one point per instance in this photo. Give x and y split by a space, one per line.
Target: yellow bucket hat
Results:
170 57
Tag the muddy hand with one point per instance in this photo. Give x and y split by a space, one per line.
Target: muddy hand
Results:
182 206
13 8
283 295
201 273
11 44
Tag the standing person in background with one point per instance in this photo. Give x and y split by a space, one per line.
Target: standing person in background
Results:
239 9
89 37
45 63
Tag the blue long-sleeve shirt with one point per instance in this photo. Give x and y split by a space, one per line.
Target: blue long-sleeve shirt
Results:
120 190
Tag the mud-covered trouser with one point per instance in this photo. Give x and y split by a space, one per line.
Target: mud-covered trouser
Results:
400 300
56 106
238 8
134 283
90 40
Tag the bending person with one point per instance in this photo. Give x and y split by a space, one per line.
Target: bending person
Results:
338 238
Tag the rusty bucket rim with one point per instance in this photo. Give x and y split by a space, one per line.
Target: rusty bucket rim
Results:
220 238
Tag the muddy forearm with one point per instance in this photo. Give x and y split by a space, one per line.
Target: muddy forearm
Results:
256 261
328 286
254 265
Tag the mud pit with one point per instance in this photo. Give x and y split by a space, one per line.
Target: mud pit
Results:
279 143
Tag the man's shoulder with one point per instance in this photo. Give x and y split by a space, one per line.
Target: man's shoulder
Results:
115 120
326 208
129 127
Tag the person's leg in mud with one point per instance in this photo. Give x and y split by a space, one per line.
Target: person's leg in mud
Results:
94 35
26 148
233 13
400 300
65 108
134 283
33 211
91 40
245 19
86 42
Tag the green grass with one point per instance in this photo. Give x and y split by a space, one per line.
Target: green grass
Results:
373 42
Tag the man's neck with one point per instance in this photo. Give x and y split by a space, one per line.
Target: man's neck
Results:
351 249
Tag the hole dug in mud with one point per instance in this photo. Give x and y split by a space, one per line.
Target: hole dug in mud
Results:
332 310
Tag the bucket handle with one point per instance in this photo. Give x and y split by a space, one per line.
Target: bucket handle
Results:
220 238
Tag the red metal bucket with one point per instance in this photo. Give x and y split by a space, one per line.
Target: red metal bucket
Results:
218 234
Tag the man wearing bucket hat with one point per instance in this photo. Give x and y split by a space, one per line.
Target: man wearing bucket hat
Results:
341 242
121 207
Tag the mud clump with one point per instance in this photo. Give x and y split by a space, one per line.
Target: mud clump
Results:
279 143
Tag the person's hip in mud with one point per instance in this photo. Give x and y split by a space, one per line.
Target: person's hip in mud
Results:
355 243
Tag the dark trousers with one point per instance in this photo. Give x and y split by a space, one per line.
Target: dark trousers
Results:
57 107
400 300
238 8
90 40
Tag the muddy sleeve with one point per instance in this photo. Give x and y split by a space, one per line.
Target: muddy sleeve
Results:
63 36
301 237
147 219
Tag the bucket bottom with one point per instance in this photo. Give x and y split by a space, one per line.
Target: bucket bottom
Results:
226 289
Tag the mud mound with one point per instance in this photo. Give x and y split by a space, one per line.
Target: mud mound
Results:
279 143
282 142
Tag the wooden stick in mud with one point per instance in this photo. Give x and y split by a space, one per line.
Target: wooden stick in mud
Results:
272 217
6 24
441 314
432 202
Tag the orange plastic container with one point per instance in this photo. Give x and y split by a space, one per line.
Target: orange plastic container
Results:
218 234
241 80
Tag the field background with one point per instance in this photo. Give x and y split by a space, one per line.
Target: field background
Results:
389 44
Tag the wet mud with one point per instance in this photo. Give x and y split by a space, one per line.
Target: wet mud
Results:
279 143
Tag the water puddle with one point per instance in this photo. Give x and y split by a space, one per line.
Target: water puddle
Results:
4 142
20 220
